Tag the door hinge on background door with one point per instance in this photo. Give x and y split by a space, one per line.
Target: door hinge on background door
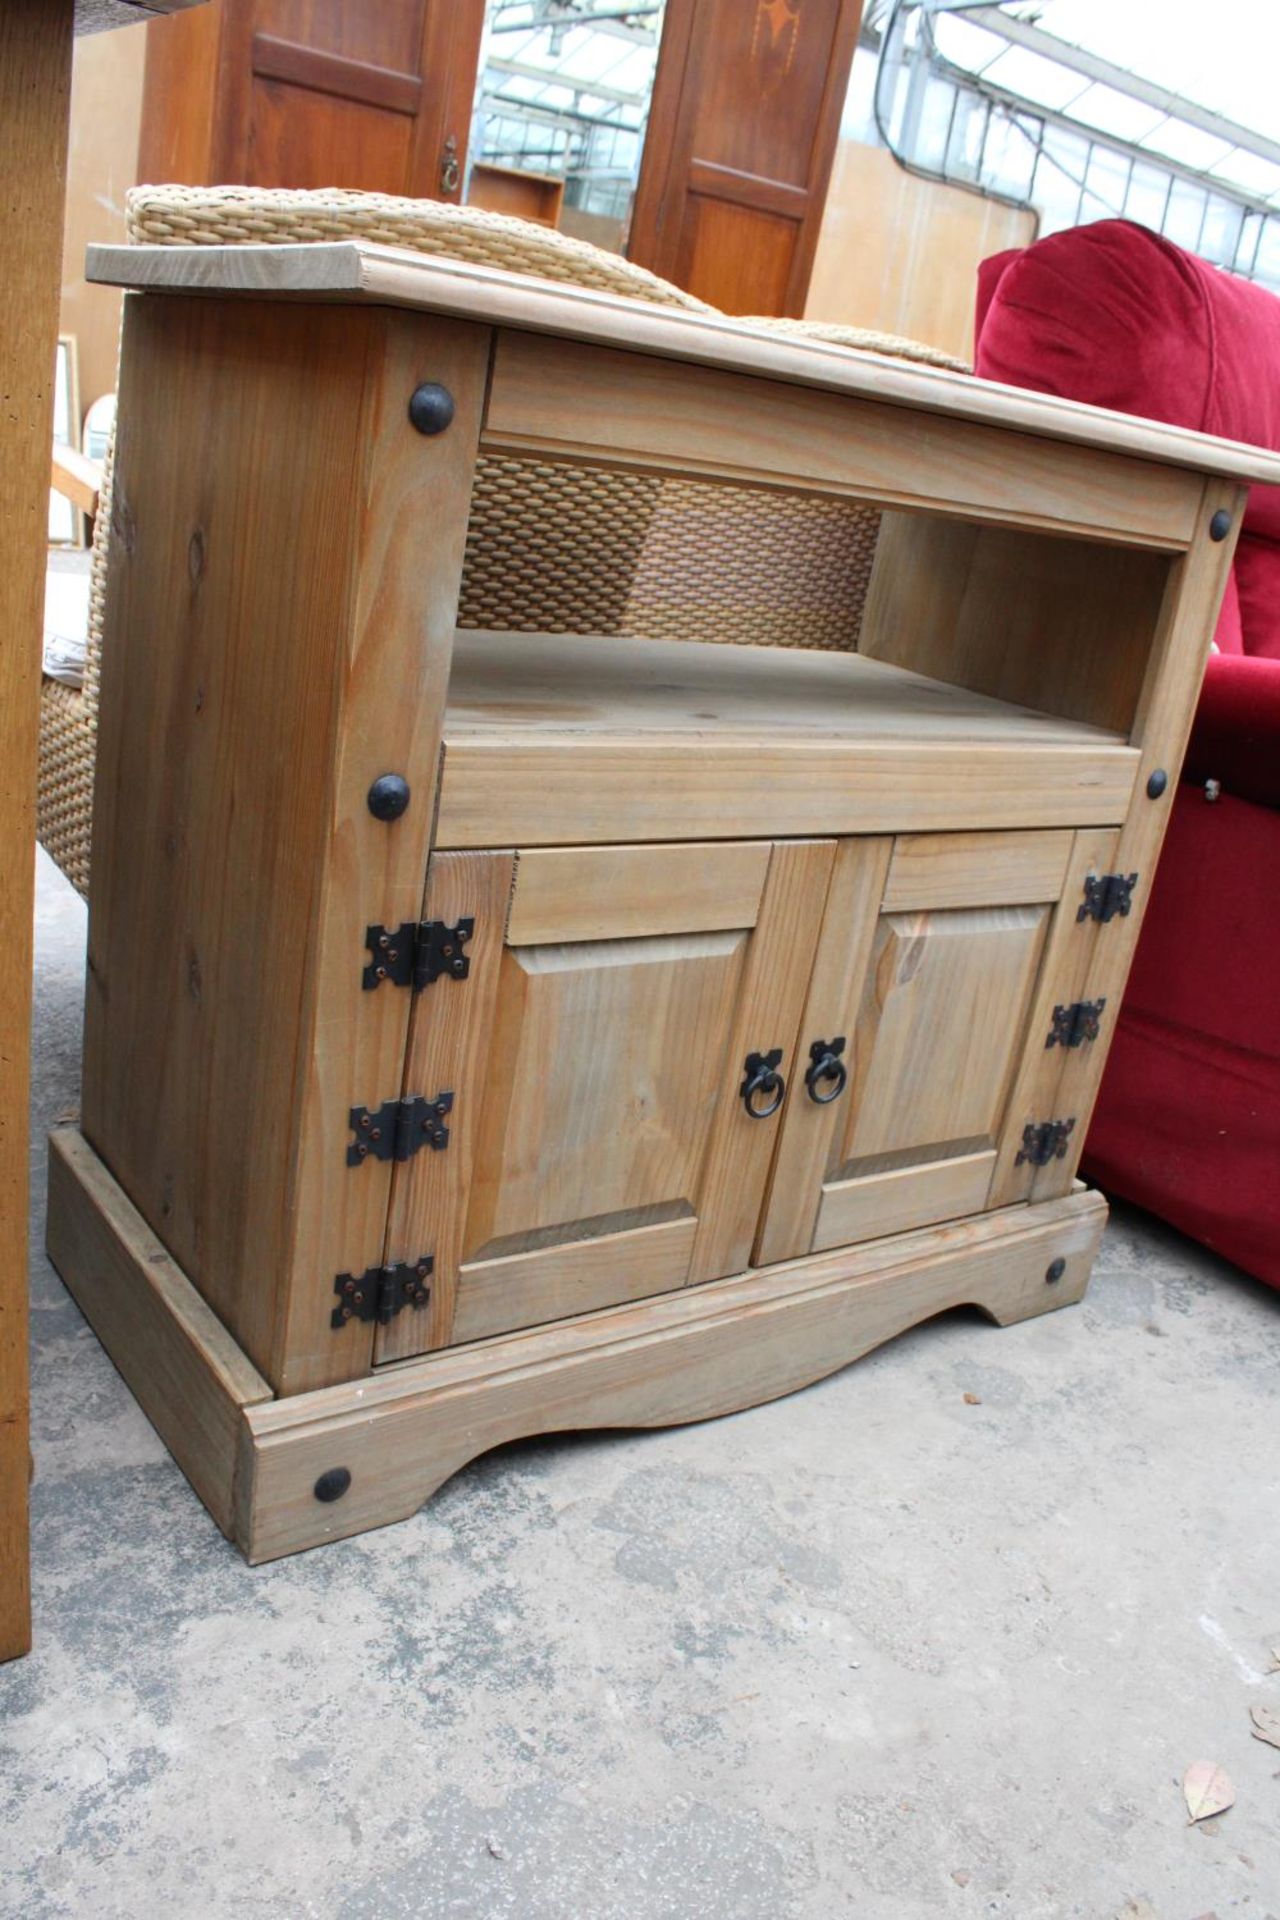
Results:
398 1128
379 1293
1044 1141
417 952
1073 1025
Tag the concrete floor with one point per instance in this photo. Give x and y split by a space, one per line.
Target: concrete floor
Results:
871 1651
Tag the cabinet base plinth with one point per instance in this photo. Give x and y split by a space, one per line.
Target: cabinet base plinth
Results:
280 1475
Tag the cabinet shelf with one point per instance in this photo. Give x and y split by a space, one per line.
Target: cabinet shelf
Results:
714 740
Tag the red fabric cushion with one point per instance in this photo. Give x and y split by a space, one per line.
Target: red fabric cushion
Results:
1236 737
1188 1118
1257 579
1228 636
1117 316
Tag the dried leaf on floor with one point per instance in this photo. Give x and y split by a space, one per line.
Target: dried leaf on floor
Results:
1207 1790
972 1400
1266 1724
1275 1661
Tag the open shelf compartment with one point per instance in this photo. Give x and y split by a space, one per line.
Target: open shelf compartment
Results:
561 738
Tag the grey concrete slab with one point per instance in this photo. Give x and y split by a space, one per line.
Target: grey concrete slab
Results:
870 1651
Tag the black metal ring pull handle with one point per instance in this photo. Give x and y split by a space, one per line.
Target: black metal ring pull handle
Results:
764 1079
825 1064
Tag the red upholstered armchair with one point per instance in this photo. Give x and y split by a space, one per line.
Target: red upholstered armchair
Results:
1188 1121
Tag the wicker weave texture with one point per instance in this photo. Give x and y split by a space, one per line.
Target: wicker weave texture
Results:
64 792
274 216
561 549
894 346
69 724
554 548
752 566
564 549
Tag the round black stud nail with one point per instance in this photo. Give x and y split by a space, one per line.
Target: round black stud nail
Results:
1220 525
431 407
333 1484
1157 783
388 796
1054 1271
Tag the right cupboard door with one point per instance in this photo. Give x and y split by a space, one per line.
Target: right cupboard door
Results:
925 1049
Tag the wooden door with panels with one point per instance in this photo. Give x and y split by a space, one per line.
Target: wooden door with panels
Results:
373 94
609 1072
742 132
925 1093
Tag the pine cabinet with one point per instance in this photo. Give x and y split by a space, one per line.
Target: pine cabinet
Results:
596 1019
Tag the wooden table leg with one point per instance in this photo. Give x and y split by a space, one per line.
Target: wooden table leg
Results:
35 91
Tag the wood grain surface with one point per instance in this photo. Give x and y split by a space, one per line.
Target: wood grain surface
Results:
35 85
686 1356
361 271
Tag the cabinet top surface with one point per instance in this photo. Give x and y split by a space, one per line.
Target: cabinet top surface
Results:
358 272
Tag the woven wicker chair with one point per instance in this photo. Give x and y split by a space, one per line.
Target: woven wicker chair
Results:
551 549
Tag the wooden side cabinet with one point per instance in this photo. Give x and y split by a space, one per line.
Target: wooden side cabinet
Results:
496 1032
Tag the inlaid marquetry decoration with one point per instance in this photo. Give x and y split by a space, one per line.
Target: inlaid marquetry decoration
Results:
775 37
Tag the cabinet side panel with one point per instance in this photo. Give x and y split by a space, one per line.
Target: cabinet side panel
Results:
226 604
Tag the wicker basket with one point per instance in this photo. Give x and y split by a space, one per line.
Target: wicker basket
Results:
551 548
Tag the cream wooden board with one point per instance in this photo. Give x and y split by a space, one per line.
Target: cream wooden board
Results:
583 684
548 791
566 738
880 1203
356 271
527 1289
614 893
172 1350
975 870
561 400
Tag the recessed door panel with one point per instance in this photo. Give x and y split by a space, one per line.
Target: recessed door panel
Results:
938 1029
606 1065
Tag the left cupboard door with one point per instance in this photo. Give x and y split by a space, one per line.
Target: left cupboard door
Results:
592 1065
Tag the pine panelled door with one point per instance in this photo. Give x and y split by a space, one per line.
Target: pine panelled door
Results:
493 1032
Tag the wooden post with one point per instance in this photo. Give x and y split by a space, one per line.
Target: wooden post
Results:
35 91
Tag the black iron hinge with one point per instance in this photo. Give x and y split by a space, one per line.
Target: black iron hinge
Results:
417 952
398 1128
1073 1025
1106 895
379 1293
1044 1142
